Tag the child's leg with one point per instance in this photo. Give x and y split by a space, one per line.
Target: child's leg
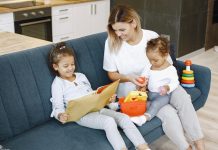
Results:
157 102
96 120
127 125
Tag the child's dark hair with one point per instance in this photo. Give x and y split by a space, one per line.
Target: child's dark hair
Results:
57 52
159 44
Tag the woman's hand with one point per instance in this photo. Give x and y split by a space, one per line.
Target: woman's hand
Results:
138 81
63 117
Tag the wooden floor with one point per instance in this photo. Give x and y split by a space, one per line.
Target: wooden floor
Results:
208 115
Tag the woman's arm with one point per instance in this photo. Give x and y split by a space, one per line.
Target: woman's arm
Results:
115 76
125 78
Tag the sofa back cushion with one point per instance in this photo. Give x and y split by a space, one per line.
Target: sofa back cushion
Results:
89 53
25 82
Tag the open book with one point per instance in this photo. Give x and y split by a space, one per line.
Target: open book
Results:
79 107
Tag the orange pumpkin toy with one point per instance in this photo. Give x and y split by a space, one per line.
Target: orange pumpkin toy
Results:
134 104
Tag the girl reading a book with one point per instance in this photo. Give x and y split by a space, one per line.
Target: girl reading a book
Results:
69 85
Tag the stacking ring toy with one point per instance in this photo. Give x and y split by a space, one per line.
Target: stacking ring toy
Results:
188 79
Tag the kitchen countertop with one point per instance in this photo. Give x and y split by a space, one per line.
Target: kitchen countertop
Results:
52 3
12 42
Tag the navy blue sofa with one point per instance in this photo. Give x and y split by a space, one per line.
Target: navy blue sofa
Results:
25 81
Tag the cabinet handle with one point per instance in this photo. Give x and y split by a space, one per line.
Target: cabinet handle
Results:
63 18
35 22
63 10
95 9
91 9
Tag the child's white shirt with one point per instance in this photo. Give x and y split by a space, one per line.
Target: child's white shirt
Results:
129 60
63 91
158 78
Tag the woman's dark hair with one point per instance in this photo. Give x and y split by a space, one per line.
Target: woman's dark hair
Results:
57 52
159 44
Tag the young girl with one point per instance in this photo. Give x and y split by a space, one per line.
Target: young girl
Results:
162 78
69 85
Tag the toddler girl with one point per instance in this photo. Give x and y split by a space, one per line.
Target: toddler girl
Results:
69 85
161 77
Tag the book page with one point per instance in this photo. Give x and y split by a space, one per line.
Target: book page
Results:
79 107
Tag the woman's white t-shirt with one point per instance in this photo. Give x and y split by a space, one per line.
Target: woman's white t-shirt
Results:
129 60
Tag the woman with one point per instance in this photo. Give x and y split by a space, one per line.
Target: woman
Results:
125 59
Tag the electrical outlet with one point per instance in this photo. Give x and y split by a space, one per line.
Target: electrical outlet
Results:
166 36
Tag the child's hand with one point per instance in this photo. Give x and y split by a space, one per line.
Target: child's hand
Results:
142 81
113 98
142 89
63 117
164 89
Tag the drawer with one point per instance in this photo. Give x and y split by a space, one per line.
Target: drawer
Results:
61 10
62 38
62 24
6 18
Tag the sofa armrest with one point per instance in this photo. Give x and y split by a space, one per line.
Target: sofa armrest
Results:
202 78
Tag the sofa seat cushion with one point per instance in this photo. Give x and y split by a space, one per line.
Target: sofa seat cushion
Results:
193 92
56 136
149 126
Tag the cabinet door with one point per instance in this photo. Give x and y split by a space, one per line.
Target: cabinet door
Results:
101 10
7 22
82 14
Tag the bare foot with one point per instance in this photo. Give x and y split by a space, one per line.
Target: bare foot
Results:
190 147
199 144
143 147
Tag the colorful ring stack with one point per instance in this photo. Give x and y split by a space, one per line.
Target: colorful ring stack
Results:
188 79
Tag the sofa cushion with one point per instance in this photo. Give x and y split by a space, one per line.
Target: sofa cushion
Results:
89 53
149 126
194 92
54 135
24 91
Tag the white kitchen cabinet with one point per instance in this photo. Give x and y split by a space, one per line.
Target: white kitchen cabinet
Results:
78 20
6 22
99 20
62 20
90 18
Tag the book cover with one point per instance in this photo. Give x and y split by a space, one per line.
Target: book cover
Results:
90 103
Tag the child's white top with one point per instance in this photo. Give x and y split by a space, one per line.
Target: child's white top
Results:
63 91
158 78
129 60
